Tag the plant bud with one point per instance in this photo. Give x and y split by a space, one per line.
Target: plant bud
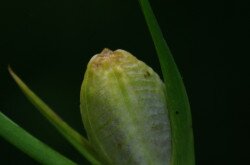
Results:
124 110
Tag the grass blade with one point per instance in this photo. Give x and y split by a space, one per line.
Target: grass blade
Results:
29 144
177 100
78 141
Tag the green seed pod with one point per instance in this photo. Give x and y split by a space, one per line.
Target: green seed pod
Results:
124 110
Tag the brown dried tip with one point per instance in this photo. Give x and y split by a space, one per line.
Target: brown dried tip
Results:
106 52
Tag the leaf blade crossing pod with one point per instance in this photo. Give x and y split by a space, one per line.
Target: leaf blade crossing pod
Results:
124 110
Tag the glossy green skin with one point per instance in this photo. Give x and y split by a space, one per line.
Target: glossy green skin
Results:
124 110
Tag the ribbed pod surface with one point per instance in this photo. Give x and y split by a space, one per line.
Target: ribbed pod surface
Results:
124 110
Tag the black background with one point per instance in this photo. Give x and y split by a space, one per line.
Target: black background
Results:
48 43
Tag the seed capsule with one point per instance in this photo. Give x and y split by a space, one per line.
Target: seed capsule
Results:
124 110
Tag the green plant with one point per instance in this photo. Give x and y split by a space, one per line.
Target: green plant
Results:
176 98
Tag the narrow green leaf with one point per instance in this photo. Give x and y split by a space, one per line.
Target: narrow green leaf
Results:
30 145
78 141
177 100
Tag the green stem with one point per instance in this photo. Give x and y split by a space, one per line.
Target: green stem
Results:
176 96
78 141
33 147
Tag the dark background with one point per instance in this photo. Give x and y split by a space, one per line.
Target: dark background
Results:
48 43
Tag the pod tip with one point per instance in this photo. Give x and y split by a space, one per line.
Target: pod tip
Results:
106 52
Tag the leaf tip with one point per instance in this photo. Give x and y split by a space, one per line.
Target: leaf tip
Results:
13 75
11 71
